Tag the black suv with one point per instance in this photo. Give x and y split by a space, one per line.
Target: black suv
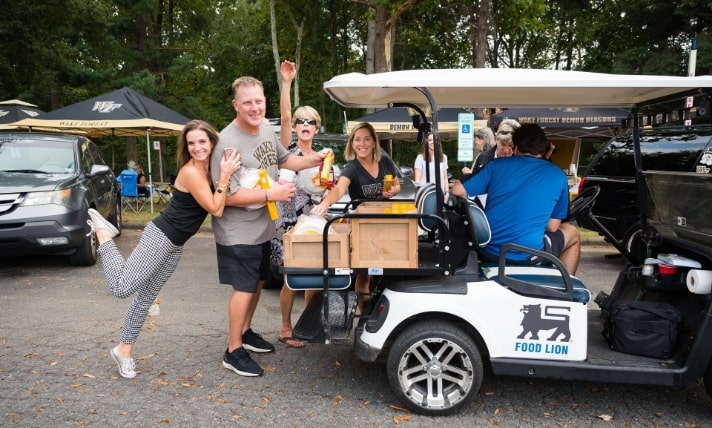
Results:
670 149
47 184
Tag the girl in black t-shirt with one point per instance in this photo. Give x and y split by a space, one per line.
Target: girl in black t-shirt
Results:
364 178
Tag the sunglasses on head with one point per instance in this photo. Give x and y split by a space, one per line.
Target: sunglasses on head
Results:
305 121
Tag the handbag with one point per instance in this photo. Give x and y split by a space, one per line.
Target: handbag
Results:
643 328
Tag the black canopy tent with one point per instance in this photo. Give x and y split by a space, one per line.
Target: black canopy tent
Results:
123 112
396 123
14 110
568 121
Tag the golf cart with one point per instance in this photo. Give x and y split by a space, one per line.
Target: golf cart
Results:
437 311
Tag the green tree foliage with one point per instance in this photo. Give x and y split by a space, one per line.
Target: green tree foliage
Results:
186 54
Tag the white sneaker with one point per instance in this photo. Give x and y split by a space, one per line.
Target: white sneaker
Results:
97 221
127 367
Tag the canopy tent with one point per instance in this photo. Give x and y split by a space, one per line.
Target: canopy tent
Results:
14 110
121 113
396 123
568 121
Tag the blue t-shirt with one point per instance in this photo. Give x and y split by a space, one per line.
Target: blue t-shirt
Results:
523 193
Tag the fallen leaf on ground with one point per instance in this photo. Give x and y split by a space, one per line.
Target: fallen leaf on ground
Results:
606 418
399 409
401 418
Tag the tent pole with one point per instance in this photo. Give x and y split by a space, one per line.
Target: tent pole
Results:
150 181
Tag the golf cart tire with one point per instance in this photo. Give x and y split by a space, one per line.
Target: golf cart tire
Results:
434 367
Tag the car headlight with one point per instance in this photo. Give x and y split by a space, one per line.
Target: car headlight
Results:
57 197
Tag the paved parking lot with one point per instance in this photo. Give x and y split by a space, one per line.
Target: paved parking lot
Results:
58 323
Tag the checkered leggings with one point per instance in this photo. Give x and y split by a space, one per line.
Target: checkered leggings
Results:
144 272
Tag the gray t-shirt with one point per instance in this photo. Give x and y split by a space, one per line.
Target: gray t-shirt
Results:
240 225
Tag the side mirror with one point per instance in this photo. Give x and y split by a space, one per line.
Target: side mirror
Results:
99 169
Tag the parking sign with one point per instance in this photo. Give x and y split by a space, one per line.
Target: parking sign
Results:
465 137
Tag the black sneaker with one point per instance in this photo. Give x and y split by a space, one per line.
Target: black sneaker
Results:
255 343
241 363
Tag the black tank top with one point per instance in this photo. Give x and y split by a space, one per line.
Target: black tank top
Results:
182 218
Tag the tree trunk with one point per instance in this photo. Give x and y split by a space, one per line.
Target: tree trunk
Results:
275 45
371 48
381 32
482 24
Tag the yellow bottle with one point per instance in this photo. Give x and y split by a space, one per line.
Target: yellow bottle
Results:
387 182
264 184
326 177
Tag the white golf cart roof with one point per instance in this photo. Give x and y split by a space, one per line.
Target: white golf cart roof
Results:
505 87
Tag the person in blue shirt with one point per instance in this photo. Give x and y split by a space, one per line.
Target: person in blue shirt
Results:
527 200
130 169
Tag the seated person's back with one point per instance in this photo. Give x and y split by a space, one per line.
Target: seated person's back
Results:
527 198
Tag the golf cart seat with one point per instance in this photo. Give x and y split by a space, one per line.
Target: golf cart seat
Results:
299 282
477 220
426 203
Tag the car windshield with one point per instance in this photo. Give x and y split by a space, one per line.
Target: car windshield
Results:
660 152
31 156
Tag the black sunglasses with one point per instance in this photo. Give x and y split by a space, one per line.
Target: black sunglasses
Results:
304 121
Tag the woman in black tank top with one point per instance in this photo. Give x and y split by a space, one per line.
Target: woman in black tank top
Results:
158 252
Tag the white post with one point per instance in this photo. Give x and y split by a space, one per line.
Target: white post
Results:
693 58
150 180
157 146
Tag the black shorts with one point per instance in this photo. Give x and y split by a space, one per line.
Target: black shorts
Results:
554 242
243 266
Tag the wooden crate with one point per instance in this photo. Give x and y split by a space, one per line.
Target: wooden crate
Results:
307 250
383 242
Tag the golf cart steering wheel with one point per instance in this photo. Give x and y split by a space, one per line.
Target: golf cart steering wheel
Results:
583 202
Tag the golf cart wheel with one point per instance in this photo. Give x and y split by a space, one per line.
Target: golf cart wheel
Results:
434 367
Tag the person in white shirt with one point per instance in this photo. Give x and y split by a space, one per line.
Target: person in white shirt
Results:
419 175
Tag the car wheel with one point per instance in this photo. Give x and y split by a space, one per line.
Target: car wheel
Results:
116 219
635 246
434 367
86 254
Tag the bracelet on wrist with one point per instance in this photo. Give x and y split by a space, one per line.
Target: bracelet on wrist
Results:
266 198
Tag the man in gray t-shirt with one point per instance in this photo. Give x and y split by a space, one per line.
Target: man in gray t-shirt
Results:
243 233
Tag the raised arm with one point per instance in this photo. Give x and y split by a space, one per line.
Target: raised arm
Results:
288 71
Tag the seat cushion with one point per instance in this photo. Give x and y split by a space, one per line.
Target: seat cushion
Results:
542 276
479 225
316 282
426 203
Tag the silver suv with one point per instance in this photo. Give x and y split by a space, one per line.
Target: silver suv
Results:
47 183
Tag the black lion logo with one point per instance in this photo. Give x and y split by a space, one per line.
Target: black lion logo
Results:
533 322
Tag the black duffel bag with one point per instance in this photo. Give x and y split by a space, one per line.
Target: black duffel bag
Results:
642 328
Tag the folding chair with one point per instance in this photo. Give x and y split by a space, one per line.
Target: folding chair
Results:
129 193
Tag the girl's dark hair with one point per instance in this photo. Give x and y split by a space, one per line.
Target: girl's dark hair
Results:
183 155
